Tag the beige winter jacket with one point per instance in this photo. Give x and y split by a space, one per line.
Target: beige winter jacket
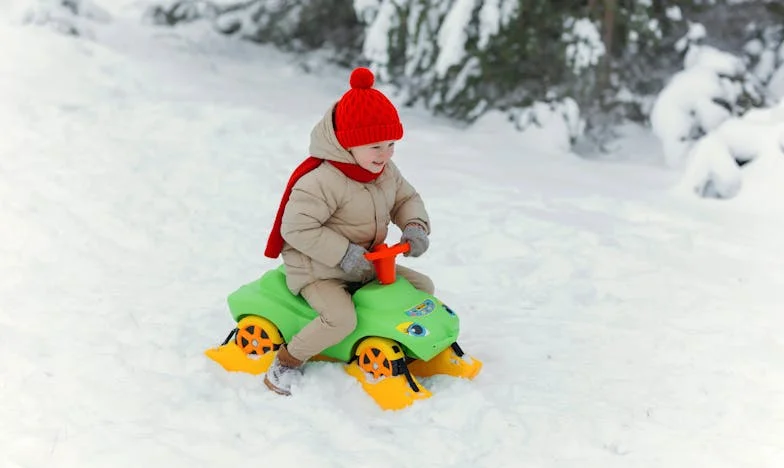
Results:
327 210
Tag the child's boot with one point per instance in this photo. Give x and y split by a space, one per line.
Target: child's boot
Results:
283 371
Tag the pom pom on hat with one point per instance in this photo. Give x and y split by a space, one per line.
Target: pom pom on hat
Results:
361 78
364 115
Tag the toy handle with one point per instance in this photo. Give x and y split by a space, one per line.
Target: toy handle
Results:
384 251
383 258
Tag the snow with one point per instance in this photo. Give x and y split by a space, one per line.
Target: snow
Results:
695 118
674 13
776 84
366 9
755 139
695 34
493 15
471 68
754 47
452 36
555 124
375 48
585 44
620 322
75 17
690 102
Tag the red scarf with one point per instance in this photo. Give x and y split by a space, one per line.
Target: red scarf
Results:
352 171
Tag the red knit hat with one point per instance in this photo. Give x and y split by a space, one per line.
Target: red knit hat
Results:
364 115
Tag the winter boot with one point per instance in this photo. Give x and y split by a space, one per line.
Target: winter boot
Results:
285 369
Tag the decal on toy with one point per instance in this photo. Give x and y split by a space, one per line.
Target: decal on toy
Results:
422 309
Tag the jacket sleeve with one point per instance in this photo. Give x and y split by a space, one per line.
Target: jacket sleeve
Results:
302 227
409 207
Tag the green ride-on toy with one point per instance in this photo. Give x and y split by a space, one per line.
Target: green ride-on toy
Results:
401 334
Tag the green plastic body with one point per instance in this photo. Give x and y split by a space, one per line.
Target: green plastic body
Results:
382 311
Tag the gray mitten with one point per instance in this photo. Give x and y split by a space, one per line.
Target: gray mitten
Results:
354 262
416 236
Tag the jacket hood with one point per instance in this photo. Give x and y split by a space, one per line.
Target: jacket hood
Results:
324 143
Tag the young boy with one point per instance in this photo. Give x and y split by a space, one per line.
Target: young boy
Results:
337 205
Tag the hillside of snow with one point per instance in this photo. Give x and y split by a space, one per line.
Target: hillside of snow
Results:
621 324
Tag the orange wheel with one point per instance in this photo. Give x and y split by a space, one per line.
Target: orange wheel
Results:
257 336
376 355
373 361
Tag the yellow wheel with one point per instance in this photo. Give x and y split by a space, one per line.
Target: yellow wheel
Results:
257 336
380 367
380 357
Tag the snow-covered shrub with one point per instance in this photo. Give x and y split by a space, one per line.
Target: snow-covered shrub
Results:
72 17
558 120
717 162
713 87
292 25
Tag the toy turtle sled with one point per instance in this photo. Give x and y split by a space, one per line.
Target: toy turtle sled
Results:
401 334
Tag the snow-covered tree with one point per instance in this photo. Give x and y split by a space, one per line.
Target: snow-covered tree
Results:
434 51
594 63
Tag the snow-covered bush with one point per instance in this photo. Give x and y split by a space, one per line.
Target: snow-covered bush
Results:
292 25
72 17
712 117
713 87
718 161
559 121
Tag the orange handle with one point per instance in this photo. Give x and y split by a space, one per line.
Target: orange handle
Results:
383 258
383 251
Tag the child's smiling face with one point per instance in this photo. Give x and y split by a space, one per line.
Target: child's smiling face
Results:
374 156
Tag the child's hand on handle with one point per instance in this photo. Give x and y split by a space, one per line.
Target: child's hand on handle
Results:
354 262
416 236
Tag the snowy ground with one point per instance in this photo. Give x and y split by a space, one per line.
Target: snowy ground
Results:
620 325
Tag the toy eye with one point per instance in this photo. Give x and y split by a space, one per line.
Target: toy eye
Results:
416 329
413 329
451 312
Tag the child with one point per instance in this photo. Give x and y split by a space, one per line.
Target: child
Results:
337 205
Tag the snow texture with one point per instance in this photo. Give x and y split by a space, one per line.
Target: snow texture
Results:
621 324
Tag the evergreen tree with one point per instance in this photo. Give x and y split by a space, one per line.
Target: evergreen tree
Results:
461 58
